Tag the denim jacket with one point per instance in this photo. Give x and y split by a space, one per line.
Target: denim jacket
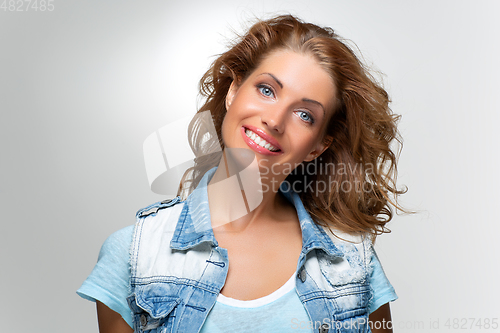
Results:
178 269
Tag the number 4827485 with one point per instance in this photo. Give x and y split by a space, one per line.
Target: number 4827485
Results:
27 5
470 323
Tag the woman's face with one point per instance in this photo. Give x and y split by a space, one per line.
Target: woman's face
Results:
281 110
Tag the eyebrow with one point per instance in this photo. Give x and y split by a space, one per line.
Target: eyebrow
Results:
275 79
307 100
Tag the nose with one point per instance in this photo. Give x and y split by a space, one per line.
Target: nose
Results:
274 118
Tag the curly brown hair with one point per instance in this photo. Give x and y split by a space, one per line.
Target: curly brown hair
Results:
358 168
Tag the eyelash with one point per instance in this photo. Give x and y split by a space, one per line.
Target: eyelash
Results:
262 86
311 119
265 86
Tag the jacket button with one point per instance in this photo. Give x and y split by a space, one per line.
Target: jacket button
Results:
144 320
150 211
302 275
323 328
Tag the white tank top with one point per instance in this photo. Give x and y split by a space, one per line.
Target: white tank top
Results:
279 312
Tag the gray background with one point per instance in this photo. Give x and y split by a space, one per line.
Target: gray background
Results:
82 86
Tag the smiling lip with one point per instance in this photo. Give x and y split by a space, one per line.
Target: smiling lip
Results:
252 144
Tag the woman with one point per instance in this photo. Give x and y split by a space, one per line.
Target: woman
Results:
296 113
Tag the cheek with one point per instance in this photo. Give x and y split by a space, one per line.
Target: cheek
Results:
308 144
245 104
240 110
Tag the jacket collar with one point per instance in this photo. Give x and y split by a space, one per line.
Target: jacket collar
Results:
194 225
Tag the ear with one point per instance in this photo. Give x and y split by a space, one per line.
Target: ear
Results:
233 89
320 148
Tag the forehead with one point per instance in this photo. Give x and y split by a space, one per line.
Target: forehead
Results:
300 74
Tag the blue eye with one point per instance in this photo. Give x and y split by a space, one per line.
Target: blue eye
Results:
265 90
305 116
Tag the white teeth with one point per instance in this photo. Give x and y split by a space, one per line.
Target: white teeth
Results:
260 141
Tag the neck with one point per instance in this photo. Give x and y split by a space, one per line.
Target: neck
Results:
239 197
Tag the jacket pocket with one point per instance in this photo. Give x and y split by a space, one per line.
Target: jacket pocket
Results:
351 304
154 314
352 321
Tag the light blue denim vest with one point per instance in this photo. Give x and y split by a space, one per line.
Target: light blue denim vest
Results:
178 269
